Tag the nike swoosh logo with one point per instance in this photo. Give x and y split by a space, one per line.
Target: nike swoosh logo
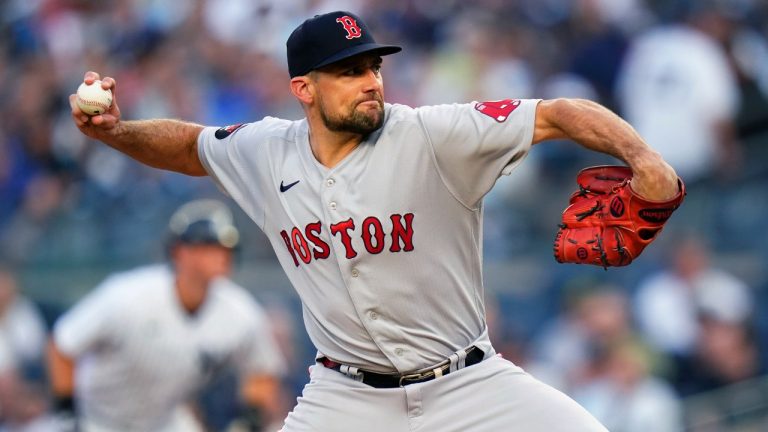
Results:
284 188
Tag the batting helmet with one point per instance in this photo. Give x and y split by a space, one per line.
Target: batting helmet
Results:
203 221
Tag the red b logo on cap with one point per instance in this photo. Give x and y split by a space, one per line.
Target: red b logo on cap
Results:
350 25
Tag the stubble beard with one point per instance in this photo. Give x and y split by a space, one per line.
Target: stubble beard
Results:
357 122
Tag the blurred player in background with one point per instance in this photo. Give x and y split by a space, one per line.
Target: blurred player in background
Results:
22 326
131 354
22 345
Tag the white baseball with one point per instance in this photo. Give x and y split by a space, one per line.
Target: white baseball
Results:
92 99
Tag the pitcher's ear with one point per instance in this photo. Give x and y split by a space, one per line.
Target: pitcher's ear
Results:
303 88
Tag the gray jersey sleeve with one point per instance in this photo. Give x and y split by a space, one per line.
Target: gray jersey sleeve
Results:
231 156
91 321
476 143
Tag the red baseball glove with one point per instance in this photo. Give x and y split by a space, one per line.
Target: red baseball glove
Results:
606 223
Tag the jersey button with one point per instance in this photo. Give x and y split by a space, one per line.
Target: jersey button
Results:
330 182
332 205
373 315
355 272
400 352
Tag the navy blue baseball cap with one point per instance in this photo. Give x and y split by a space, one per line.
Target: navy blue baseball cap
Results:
204 221
328 38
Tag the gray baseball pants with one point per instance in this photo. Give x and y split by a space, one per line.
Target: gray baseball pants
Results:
493 395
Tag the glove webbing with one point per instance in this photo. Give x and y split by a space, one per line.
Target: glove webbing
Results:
598 206
585 191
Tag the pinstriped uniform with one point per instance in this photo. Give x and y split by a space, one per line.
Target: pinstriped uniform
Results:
139 355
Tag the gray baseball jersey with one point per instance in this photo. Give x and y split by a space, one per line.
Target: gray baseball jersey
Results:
139 355
384 249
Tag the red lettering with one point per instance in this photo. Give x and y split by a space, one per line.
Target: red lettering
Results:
343 228
350 25
400 232
378 233
287 241
300 245
321 249
307 244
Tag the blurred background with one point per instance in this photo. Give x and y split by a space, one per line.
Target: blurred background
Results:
676 341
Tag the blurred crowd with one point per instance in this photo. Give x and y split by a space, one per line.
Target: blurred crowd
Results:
632 354
631 345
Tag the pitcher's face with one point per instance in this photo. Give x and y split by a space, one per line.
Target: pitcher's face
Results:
350 94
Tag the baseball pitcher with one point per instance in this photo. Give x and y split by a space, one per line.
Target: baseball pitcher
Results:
375 213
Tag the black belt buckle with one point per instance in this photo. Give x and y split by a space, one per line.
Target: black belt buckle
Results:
474 355
414 378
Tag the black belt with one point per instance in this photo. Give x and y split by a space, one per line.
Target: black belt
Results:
374 379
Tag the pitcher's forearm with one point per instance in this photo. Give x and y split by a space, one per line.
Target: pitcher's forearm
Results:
166 144
597 128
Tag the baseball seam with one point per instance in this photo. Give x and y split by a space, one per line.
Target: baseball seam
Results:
93 102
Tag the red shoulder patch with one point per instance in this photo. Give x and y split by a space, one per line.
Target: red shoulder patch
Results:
498 110
226 131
